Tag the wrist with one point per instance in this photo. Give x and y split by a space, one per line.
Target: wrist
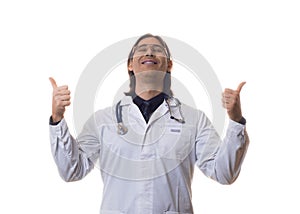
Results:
55 118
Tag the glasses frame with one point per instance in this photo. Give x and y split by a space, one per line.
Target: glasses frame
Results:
165 52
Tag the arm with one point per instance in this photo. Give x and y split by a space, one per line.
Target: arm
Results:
72 162
217 159
222 160
72 157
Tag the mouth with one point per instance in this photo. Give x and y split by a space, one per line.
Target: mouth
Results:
149 62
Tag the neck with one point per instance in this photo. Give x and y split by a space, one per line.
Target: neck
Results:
147 95
149 86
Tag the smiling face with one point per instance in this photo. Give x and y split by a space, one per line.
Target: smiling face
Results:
149 65
149 55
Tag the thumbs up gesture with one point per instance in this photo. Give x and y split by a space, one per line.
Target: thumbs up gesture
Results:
231 102
60 99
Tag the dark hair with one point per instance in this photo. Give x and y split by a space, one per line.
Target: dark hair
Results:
167 81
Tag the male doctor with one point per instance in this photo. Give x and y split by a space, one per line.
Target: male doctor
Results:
147 145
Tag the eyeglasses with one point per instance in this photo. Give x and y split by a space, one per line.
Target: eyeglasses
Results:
157 50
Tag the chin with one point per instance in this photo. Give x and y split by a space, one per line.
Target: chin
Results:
151 74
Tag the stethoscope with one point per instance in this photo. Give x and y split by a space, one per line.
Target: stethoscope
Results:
122 129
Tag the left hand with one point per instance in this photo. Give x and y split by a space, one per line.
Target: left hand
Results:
231 102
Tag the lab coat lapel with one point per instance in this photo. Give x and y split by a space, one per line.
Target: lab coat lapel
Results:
159 112
132 114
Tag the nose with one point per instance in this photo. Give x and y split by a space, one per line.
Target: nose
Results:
149 51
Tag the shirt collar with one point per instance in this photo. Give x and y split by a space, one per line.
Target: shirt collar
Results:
153 103
147 107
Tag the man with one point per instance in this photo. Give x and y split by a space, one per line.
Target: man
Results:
148 143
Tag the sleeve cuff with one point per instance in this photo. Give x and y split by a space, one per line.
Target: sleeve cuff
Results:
53 123
242 121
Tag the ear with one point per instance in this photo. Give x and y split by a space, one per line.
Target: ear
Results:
129 66
170 65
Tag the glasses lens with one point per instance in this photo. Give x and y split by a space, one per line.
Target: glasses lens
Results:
152 49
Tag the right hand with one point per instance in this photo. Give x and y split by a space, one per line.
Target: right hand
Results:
60 99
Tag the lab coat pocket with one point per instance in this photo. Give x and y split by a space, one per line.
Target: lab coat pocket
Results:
176 144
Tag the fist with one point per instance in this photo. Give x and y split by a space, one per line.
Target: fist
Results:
231 102
60 99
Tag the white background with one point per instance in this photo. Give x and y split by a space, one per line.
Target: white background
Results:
257 41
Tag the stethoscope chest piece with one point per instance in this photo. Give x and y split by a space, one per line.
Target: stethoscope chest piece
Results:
122 129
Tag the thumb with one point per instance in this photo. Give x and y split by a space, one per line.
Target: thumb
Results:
239 88
53 83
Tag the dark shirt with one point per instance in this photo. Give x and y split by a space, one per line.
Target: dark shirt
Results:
147 107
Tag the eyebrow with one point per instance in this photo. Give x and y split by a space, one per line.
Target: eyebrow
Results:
149 44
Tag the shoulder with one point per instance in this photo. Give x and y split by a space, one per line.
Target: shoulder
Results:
103 114
193 116
192 111
109 113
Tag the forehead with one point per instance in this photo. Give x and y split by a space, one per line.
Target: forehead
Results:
149 40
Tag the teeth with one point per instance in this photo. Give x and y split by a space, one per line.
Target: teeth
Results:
148 62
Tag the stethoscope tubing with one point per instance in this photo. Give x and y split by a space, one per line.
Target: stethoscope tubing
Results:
122 129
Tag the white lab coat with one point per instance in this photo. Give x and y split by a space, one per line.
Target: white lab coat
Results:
149 169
